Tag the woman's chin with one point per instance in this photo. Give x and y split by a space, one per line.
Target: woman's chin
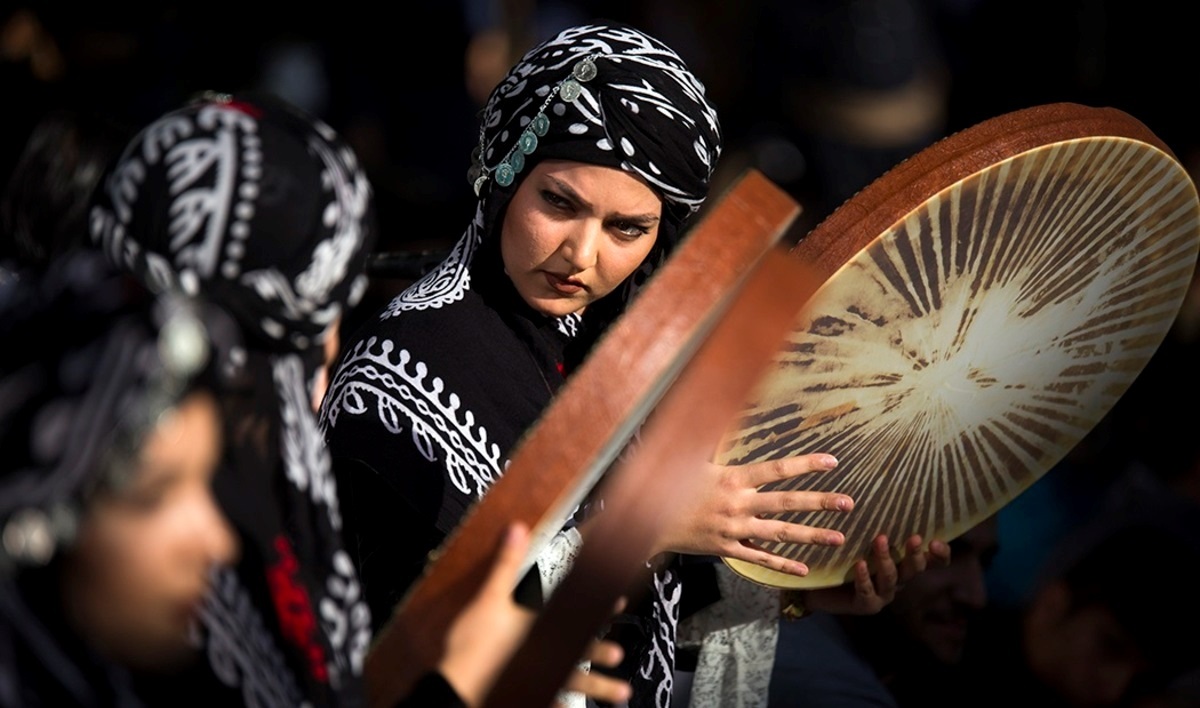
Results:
556 306
166 655
166 646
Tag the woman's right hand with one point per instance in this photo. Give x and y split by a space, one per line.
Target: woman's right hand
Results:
726 514
490 629
596 685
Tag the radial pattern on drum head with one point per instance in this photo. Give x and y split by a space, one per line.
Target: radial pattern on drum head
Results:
958 355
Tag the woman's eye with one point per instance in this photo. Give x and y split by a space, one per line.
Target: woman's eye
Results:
140 500
143 495
630 230
555 200
147 498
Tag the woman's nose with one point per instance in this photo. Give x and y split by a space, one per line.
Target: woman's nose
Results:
581 247
214 532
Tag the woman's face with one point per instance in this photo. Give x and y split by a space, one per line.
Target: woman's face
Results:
574 231
139 569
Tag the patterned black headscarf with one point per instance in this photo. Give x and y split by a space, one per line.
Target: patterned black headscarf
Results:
603 94
94 360
247 198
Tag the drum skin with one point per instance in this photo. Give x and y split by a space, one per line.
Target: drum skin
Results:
984 304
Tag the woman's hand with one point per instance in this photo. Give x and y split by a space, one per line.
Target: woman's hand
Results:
603 688
727 513
877 581
489 630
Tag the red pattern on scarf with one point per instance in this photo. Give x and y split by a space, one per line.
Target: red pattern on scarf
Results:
294 608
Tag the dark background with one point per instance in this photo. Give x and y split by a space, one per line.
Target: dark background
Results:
393 78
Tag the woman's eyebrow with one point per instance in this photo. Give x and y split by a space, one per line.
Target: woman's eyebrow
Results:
639 219
569 192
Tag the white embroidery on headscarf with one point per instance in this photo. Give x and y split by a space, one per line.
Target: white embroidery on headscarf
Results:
344 613
198 210
445 284
308 295
612 44
305 457
240 650
170 140
345 618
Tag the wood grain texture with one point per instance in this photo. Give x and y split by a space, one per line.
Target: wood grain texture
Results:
984 305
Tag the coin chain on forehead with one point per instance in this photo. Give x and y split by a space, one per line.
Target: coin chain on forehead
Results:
504 173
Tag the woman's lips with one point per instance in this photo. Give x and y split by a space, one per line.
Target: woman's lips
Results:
564 285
